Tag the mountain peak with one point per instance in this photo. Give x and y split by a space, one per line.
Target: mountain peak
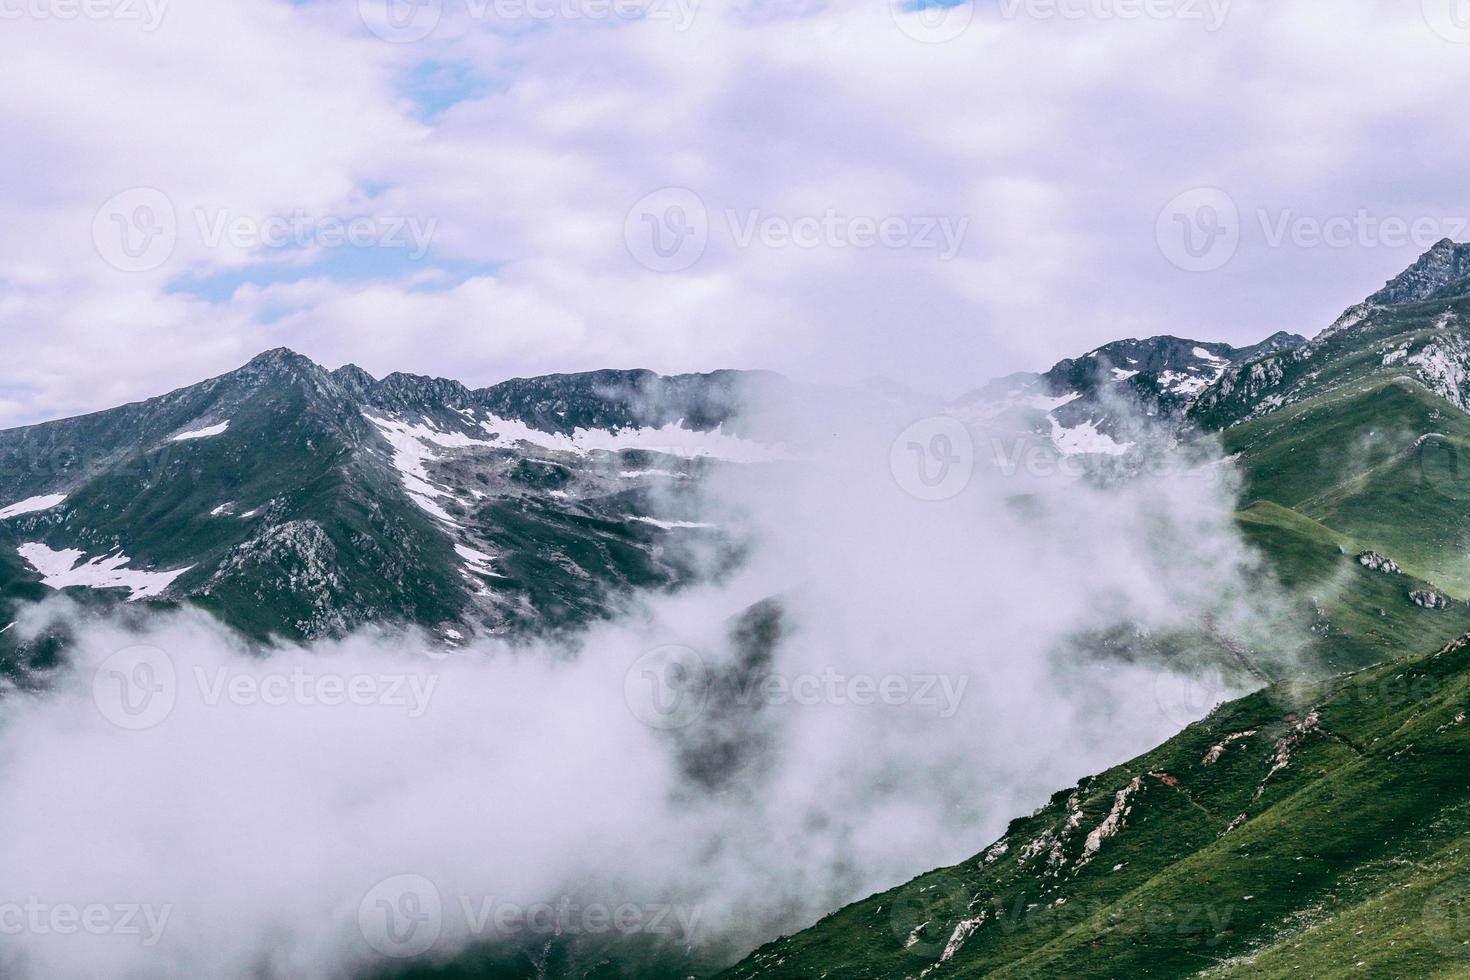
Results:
1446 264
280 356
354 379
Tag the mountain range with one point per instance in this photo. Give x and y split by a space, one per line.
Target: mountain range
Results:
1306 829
295 502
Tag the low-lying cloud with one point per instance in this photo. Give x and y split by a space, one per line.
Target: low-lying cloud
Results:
885 683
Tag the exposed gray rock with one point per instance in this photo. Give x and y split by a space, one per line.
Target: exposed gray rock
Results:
1445 265
1377 562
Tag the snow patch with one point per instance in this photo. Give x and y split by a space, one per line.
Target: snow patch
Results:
212 430
670 525
1085 438
68 568
672 439
32 505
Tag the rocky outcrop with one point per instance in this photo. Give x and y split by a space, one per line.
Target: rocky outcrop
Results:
1378 563
1442 267
1428 599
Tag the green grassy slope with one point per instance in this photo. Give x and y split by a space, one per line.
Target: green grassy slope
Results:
1357 616
1380 464
1349 861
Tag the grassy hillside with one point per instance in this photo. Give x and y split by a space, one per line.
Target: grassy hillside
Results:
1380 465
1318 829
1357 616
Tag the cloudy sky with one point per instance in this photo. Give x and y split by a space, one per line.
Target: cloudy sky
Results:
490 188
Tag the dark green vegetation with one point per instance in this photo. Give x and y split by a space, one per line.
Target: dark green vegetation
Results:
1311 829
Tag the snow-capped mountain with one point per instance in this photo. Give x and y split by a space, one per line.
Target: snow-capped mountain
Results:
300 502
1095 402
295 501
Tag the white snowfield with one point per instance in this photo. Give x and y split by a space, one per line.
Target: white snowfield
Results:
411 448
415 444
69 568
1085 438
212 430
32 505
672 440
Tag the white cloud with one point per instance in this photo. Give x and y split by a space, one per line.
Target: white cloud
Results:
1059 139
